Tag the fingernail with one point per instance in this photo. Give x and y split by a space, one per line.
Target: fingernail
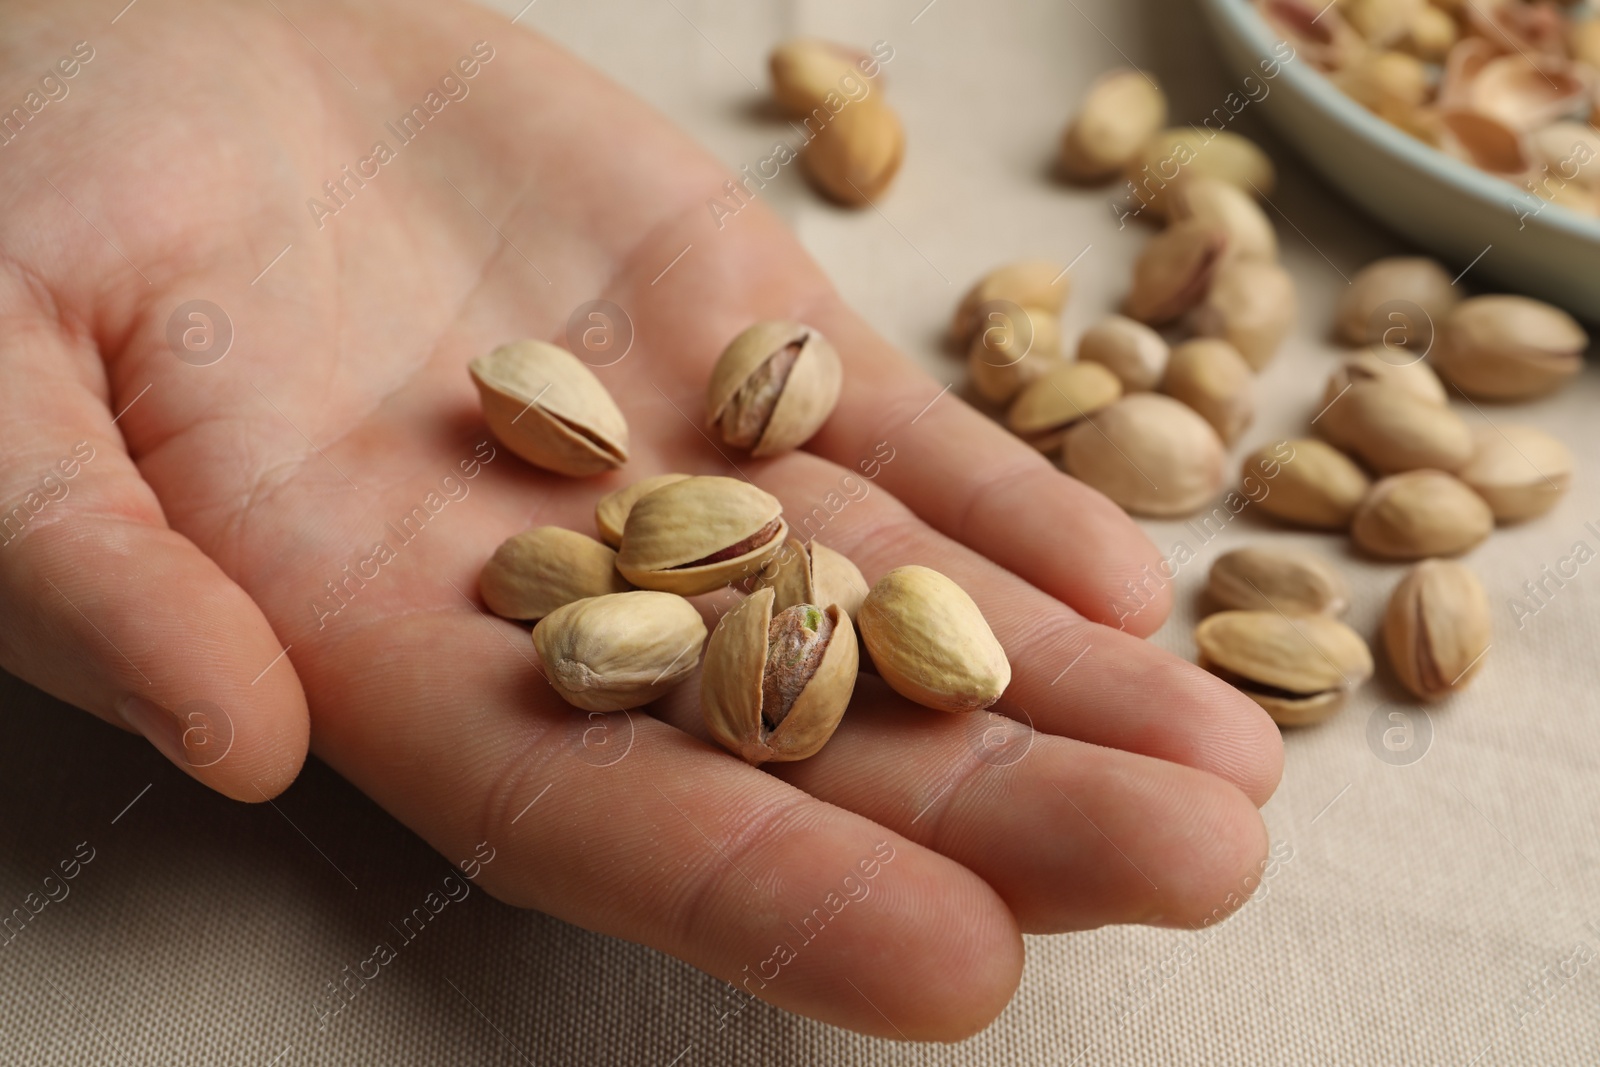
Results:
158 725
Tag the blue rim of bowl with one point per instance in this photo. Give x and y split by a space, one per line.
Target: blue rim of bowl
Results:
1496 193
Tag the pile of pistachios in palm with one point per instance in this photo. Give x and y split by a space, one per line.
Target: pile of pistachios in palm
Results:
1505 85
613 626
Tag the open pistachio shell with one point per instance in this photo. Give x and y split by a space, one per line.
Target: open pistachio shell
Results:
539 570
1300 668
622 650
1175 271
1044 411
930 642
813 574
1251 304
1007 355
1028 283
611 513
773 387
700 534
547 407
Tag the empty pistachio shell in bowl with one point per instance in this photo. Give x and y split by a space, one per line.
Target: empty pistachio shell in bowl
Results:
777 681
1436 628
1393 430
806 69
857 154
1250 304
537 571
1300 668
1384 366
1181 153
1010 350
1420 514
1148 453
1316 485
1258 578
546 406
813 573
1175 271
1509 347
1210 376
1520 471
1122 110
1132 351
930 642
618 651
1229 208
1030 283
611 513
700 534
773 387
1380 305
1067 392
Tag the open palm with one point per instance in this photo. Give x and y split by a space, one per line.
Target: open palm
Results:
327 485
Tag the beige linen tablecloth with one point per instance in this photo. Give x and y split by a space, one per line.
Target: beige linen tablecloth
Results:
1425 910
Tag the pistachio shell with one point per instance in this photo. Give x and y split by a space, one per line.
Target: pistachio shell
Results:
539 570
1487 142
1299 668
1385 367
743 680
1122 110
1392 430
1007 355
930 642
673 534
1371 310
1251 305
1148 453
1132 351
1183 152
773 387
1420 514
1316 486
1040 284
1175 271
547 407
1231 209
806 69
1381 22
1570 151
813 574
1509 347
1431 34
1316 31
1388 83
1520 471
1277 579
856 155
622 650
611 513
1042 412
1436 629
1212 378
1526 94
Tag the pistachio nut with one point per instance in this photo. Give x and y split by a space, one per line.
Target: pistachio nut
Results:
1251 305
1583 38
1380 365
1175 271
1132 351
1010 351
1420 514
700 534
1436 629
1567 148
773 387
1509 347
806 70
1380 305
1212 378
1044 411
1522 472
1179 153
1381 22
1392 430
1122 110
621 650
1391 84
1300 668
1148 453
1221 204
855 156
777 681
1316 486
539 570
1040 284
1430 34
611 513
813 574
1277 579
547 407
930 642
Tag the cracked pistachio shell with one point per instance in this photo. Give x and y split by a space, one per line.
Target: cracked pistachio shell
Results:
806 69
1300 668
1132 351
773 387
1392 430
1315 486
1420 514
813 574
1175 271
672 534
1509 347
1362 317
1180 153
1123 109
742 676
1030 283
1006 355
855 156
1251 304
539 570
622 650
1149 453
1384 366
930 642
611 513
1436 629
1209 200
1068 392
1277 579
1212 378
1520 471
547 407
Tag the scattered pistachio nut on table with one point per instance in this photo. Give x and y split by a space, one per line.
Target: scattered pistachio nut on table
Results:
1419 514
1210 376
700 534
1317 486
1300 668
1436 628
621 650
1384 297
806 70
1174 271
1520 471
1149 453
776 682
1011 351
1261 578
611 513
1384 366
773 387
1030 283
1132 351
813 573
1230 209
545 568
931 643
1509 347
1196 153
547 407
1251 304
1122 110
1066 393
1391 430
855 157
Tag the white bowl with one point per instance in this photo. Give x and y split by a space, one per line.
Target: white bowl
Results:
1453 210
